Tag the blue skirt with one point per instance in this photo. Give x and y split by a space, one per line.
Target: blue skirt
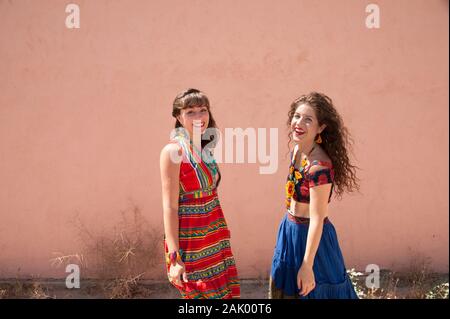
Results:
332 280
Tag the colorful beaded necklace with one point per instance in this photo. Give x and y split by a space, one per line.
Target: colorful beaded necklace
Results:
207 157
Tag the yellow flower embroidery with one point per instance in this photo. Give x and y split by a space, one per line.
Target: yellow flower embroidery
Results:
291 170
290 188
304 163
298 175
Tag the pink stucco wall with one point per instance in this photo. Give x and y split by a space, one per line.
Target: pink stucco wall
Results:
84 114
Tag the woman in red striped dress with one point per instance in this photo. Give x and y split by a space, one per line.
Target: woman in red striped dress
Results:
200 263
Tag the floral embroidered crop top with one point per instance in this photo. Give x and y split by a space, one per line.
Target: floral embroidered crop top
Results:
300 181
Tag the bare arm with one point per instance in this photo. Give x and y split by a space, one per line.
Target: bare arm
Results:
170 181
170 171
318 210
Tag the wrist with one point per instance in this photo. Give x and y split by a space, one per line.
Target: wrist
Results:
174 257
307 264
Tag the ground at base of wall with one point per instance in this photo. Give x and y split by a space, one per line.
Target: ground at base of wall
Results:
392 286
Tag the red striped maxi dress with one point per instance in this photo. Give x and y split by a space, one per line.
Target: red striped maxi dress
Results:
204 238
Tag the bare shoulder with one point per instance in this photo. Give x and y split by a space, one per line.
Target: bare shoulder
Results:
171 153
320 160
171 147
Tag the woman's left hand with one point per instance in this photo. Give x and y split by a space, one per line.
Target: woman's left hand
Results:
305 279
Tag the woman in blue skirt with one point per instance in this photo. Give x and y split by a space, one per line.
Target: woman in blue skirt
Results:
307 261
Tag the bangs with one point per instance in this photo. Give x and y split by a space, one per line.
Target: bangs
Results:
193 100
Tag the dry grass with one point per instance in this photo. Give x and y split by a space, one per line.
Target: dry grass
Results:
119 257
418 276
62 259
388 286
24 289
440 291
413 282
126 288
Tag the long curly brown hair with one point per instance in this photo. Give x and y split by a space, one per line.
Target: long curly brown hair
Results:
336 140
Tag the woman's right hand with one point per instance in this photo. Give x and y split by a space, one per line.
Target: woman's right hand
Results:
176 272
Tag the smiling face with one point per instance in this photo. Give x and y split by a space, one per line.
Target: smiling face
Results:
305 125
197 116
